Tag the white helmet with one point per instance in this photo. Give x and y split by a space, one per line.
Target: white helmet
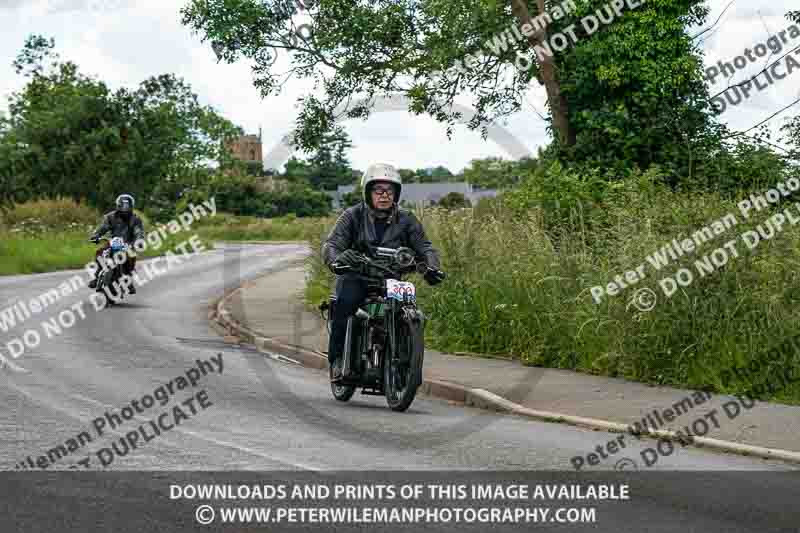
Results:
381 172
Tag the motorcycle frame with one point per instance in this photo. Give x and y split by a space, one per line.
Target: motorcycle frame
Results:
389 309
109 276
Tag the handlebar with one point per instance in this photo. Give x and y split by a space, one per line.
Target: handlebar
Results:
403 258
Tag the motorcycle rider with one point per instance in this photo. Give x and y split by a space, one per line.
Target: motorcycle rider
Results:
377 221
122 222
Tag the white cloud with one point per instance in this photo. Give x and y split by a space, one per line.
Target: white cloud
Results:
125 41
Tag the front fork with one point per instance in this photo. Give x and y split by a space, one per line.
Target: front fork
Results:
405 312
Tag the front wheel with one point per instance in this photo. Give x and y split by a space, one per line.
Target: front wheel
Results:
402 370
105 287
342 393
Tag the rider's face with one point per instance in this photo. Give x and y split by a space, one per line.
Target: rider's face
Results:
382 195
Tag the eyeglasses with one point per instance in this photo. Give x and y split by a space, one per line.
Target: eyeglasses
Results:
381 192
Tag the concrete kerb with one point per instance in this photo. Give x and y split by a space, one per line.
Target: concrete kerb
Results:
480 398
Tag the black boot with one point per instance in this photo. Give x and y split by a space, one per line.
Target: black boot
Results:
336 370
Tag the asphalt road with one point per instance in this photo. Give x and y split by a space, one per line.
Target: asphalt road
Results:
267 414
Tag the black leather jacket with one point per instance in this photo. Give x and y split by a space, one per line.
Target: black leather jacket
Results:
130 230
356 230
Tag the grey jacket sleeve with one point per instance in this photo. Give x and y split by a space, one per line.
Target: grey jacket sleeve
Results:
339 239
103 228
138 229
421 245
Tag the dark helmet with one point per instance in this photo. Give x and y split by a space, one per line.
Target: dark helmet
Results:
125 204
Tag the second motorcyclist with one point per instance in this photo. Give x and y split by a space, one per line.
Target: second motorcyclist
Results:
123 223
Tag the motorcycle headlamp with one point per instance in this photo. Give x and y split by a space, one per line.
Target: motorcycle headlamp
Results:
117 244
404 257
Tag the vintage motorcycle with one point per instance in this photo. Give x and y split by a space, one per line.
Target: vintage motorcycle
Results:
113 271
384 343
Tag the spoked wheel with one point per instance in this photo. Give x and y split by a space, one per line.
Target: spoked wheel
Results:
341 392
402 376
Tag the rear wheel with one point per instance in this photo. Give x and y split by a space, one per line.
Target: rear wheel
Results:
402 376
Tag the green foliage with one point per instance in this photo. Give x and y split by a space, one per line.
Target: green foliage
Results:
297 170
496 172
47 216
353 198
533 300
328 164
327 167
634 88
49 235
454 200
428 175
226 227
67 134
241 195
255 169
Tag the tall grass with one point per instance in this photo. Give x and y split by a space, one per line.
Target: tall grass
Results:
47 235
519 283
234 228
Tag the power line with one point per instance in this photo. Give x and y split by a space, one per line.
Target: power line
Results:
763 121
716 21
754 77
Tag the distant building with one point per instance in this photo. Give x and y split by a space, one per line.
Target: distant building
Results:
247 148
422 194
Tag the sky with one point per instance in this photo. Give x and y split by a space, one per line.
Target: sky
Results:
124 42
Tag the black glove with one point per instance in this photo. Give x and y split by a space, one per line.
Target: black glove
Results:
434 277
94 239
349 258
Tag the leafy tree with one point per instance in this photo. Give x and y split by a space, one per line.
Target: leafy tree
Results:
427 175
629 93
490 173
68 135
239 194
329 165
353 198
297 170
406 174
792 128
255 169
454 200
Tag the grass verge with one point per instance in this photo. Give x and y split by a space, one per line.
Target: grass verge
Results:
519 283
